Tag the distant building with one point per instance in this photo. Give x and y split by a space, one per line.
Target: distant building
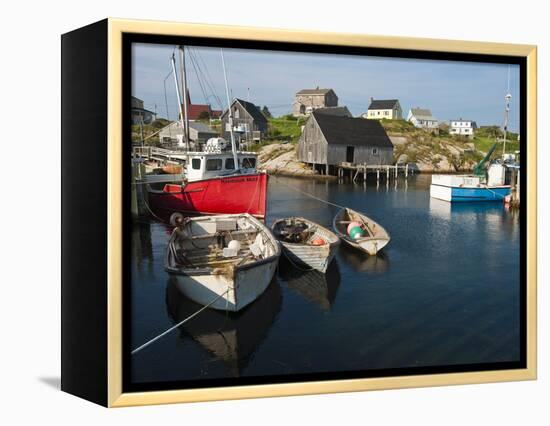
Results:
200 111
388 108
330 139
199 133
139 114
308 100
462 127
341 111
423 119
249 124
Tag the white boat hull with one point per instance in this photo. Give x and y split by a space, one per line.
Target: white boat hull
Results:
371 247
313 257
212 279
241 288
378 237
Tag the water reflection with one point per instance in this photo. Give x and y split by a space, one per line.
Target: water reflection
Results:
231 338
142 246
362 262
314 286
450 295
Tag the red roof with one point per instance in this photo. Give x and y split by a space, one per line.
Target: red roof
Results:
195 110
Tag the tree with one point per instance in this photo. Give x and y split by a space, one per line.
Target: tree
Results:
204 115
266 112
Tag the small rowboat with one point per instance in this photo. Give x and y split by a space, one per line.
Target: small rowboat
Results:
225 261
375 239
306 243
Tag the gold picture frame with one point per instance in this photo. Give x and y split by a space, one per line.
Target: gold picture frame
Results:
116 28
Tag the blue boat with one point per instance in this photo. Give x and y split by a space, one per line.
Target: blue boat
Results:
460 189
491 184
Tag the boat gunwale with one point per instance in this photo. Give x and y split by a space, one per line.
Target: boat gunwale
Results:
356 243
237 268
285 243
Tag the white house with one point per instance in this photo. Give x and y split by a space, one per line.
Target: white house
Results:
423 119
199 133
384 108
462 127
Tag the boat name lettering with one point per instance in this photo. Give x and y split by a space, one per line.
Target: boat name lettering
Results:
247 179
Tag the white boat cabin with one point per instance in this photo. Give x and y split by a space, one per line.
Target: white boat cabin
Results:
217 160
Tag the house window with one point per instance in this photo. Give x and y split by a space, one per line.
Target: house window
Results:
375 151
196 163
213 164
237 113
386 113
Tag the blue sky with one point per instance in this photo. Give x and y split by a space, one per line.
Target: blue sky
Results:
450 89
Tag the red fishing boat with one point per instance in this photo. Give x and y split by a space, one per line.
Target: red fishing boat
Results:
209 192
218 180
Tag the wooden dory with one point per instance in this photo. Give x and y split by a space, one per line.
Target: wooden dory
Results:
376 236
297 236
205 272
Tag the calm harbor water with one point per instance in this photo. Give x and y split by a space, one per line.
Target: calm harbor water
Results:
445 291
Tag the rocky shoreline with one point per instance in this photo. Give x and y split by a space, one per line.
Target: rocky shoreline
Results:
281 159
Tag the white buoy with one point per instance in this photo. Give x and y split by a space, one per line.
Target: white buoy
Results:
234 245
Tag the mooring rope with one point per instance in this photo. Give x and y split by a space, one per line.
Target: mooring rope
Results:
496 193
307 193
164 333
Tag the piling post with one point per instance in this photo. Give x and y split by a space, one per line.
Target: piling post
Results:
396 169
407 171
377 176
387 173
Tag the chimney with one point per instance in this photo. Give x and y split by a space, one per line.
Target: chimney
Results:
371 99
317 88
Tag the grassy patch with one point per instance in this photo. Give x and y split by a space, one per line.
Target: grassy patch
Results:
286 128
148 129
397 126
484 144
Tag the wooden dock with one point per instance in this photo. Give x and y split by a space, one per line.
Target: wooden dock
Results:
356 171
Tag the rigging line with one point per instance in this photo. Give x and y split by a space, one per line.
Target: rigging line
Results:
164 333
197 74
206 82
199 77
209 80
307 193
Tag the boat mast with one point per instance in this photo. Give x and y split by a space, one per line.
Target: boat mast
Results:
182 122
507 100
230 115
185 96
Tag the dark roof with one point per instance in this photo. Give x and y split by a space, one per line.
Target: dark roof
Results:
253 110
383 103
422 113
316 91
352 131
341 111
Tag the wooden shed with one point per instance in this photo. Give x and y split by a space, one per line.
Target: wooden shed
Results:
332 139
249 124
